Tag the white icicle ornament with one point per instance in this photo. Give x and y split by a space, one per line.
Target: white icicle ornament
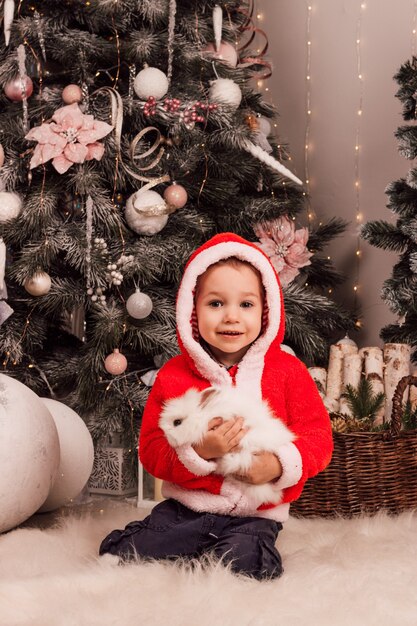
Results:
8 17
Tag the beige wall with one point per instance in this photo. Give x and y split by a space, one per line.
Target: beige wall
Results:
386 42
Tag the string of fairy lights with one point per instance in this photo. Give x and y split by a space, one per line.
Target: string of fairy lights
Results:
357 153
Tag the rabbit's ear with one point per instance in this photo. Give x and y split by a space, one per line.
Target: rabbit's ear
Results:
207 395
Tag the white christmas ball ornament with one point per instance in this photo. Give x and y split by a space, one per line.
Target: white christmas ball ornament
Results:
145 212
39 284
287 349
225 91
139 305
264 125
29 452
151 82
76 455
10 205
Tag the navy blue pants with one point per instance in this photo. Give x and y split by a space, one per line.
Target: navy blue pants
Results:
172 530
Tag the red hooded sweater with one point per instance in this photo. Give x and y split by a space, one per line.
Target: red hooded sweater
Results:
265 371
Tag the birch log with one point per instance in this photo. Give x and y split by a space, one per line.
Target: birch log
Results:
352 371
335 374
397 365
319 375
373 365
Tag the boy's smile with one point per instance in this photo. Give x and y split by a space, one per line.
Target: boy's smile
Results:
229 307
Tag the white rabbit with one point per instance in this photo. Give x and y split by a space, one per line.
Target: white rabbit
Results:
185 419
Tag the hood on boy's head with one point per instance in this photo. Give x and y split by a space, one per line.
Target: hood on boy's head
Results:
217 248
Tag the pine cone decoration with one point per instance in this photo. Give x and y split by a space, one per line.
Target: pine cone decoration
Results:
339 423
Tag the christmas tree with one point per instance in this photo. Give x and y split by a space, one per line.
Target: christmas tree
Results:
399 291
131 133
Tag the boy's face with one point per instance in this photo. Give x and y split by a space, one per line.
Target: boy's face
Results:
229 307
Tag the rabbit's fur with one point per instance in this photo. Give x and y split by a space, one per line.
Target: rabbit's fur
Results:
185 419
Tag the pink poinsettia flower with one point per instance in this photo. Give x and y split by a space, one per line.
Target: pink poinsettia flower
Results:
71 137
285 246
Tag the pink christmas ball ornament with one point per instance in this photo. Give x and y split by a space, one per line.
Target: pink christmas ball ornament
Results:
1 155
115 363
71 94
226 53
17 88
176 196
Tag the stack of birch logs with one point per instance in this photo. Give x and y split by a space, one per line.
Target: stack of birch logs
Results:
383 367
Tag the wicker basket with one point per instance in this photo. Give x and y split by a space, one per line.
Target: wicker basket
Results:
369 471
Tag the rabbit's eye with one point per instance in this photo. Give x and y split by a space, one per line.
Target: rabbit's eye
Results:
177 422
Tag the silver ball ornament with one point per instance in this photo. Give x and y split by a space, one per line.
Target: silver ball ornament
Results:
10 205
145 212
264 125
225 91
39 284
151 82
139 305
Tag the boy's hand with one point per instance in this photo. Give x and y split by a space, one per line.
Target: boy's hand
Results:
265 467
222 437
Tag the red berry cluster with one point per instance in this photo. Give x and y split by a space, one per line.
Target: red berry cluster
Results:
150 106
172 104
194 112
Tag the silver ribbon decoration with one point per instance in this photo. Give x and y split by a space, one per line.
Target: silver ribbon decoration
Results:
171 33
117 121
21 57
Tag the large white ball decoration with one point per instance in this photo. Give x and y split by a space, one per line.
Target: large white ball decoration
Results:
10 205
139 305
225 91
139 207
76 455
29 452
151 82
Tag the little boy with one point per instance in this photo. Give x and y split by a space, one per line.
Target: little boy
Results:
230 321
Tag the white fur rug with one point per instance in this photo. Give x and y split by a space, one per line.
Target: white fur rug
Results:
359 572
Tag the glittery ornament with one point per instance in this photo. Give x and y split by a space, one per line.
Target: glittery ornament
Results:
151 82
139 305
226 53
10 205
176 196
115 363
16 89
225 91
71 94
39 284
